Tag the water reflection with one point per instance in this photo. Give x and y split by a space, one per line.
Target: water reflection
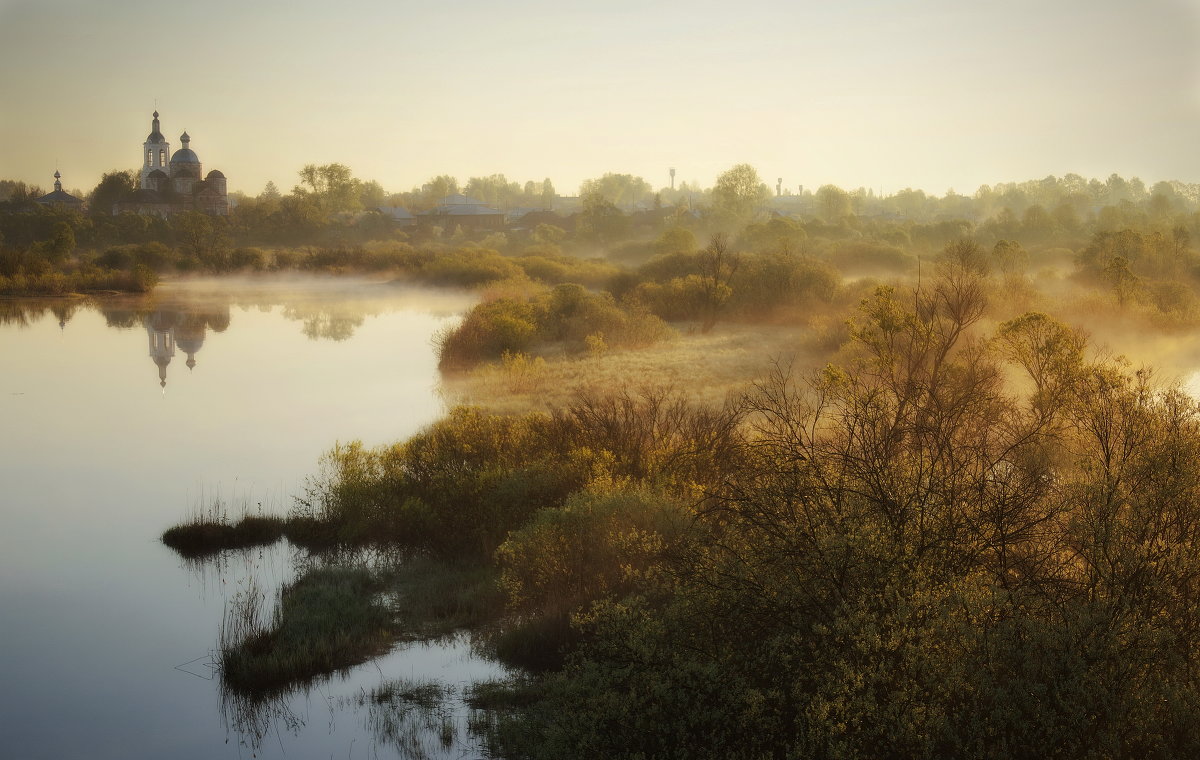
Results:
327 323
169 329
103 623
178 317
410 702
22 312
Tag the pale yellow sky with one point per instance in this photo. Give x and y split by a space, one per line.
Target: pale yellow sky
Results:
933 94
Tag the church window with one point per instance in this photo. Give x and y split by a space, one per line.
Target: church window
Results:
149 157
162 157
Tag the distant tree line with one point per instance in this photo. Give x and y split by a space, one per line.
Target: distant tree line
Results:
617 216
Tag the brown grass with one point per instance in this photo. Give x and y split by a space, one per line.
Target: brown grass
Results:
708 367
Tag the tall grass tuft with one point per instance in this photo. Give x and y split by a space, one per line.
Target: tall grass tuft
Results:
330 619
210 530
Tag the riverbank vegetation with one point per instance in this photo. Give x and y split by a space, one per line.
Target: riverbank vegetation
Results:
829 486
907 552
329 619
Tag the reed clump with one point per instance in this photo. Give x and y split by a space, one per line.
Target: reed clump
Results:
203 537
330 619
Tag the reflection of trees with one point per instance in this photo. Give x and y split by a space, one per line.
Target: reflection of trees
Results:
325 322
127 314
324 316
24 312
121 319
18 313
64 310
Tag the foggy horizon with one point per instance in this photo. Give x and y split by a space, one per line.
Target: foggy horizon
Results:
930 96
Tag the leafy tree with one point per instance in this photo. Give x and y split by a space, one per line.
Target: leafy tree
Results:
833 203
1123 282
1009 257
1037 222
18 192
738 194
371 195
549 233
62 242
601 220
718 265
495 190
194 229
113 186
675 240
618 189
438 188
332 185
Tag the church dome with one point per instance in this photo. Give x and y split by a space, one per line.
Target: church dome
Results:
155 135
215 174
185 156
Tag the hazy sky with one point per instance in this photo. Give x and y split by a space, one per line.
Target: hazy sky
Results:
887 94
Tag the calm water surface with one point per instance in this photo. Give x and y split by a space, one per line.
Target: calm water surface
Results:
121 418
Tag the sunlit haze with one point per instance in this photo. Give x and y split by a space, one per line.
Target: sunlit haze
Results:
932 95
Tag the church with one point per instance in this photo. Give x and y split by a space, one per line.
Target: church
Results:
176 184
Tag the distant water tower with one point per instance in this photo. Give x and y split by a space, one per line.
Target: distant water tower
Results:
779 186
672 170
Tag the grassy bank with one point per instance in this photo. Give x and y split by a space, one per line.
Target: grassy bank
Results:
340 614
327 620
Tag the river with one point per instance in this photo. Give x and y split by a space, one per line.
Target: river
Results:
121 417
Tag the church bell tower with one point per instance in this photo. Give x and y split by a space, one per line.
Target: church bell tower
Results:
156 155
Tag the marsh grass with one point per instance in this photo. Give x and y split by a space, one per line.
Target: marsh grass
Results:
436 599
340 615
415 716
328 620
711 367
504 694
497 713
422 694
253 717
212 528
194 540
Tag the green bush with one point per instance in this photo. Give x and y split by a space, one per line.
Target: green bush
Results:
468 267
566 315
595 546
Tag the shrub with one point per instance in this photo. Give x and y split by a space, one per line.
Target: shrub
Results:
595 546
468 267
248 258
566 315
489 330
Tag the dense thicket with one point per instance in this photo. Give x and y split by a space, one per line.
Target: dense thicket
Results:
956 543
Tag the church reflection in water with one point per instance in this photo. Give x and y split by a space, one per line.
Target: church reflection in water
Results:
172 330
181 325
